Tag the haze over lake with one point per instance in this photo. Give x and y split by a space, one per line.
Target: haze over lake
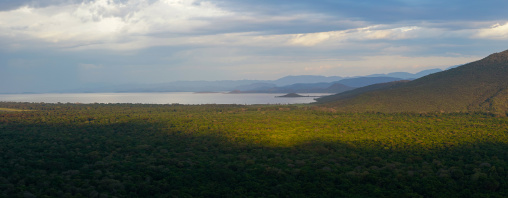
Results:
161 98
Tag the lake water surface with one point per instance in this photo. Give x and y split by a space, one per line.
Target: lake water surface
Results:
161 98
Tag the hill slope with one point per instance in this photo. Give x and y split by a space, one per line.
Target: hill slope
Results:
477 86
355 92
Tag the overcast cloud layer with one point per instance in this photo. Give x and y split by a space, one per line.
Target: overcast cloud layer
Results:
63 44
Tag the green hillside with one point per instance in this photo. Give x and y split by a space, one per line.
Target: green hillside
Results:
355 92
477 86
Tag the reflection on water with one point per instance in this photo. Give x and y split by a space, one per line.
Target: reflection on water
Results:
160 98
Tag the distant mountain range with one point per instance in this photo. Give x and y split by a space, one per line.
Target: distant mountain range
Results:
477 86
323 87
406 75
288 84
322 84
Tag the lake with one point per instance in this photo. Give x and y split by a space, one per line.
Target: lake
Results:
161 98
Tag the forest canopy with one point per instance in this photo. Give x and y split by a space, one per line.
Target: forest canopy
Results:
134 150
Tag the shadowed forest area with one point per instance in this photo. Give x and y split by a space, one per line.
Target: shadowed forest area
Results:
134 150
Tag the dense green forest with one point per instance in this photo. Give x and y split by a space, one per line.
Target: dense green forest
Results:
134 150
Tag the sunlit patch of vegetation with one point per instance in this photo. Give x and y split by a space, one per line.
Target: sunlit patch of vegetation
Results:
129 150
279 128
9 109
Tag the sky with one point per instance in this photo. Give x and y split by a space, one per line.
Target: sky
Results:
51 45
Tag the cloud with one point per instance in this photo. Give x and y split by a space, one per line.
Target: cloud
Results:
358 34
313 38
132 25
6 5
381 12
106 21
496 32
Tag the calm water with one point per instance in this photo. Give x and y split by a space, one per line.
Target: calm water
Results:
160 98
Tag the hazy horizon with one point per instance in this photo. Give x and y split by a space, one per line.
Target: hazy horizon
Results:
227 84
67 44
